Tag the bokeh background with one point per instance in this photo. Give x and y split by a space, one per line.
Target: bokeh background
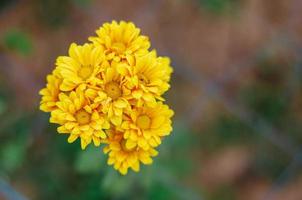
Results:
236 91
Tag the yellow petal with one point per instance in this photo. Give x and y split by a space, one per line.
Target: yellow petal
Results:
96 141
120 103
122 69
116 120
157 122
135 166
72 138
143 143
70 125
137 94
130 144
62 129
100 134
83 144
110 161
145 159
123 171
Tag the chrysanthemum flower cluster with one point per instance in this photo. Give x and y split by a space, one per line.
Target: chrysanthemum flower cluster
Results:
109 91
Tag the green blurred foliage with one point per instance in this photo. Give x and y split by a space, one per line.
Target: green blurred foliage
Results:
219 6
224 192
82 3
270 161
5 98
3 106
267 102
13 150
56 13
18 41
266 96
75 174
180 163
161 192
53 13
12 156
89 161
226 130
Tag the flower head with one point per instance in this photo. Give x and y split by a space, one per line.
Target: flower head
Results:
50 94
121 41
111 95
79 118
123 158
148 79
145 126
81 66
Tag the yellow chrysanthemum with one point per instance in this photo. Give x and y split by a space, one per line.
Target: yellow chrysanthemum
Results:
79 118
145 126
121 41
110 94
50 93
123 158
110 91
148 79
81 66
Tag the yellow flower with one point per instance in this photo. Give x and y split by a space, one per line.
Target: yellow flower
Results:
121 41
145 126
81 66
148 79
112 95
50 93
111 91
79 118
123 158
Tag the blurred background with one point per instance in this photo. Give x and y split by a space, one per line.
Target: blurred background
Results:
236 91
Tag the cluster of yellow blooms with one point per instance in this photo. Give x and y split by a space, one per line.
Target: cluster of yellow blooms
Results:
109 91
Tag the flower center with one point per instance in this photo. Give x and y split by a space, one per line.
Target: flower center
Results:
143 122
113 90
85 72
82 117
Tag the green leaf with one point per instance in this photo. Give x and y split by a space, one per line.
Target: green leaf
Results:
18 41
